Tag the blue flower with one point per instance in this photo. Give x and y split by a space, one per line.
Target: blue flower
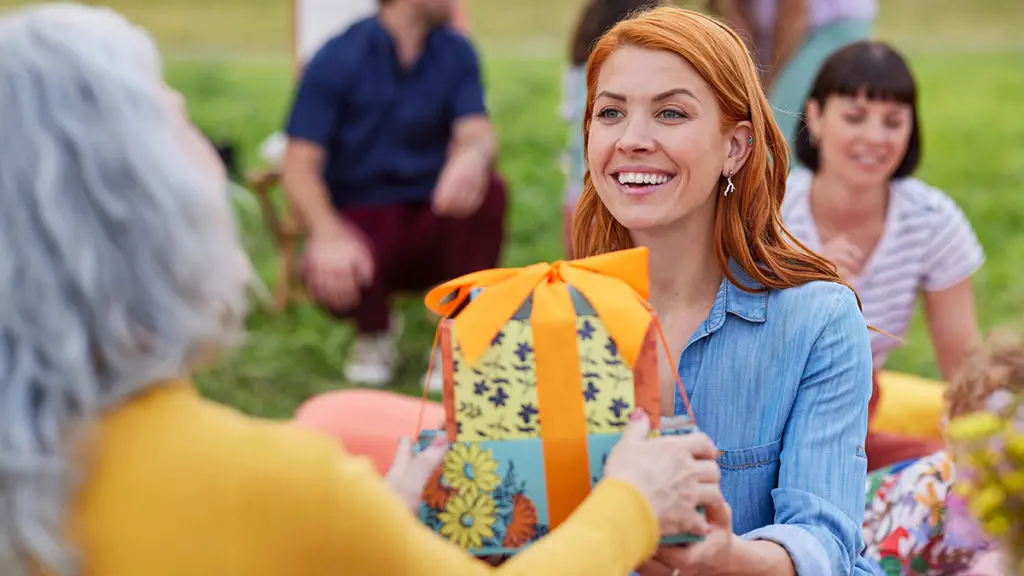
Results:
481 388
612 349
527 412
586 332
618 407
499 397
496 341
591 392
523 349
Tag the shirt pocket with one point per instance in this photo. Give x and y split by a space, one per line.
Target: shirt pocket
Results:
748 477
748 459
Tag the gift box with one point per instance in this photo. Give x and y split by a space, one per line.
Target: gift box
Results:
542 368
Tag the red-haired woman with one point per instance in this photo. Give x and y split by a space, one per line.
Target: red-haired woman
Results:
684 157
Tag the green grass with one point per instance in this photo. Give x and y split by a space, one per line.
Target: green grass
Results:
231 59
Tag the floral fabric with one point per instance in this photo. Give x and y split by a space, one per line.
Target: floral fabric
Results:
913 523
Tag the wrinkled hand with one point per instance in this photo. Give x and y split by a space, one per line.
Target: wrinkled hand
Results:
706 558
339 265
675 474
409 472
847 256
462 186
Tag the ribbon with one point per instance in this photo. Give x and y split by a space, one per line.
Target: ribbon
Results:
615 285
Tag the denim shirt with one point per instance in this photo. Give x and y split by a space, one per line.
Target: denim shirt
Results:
780 380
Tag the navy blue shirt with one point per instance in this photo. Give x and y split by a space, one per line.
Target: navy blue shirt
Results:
385 128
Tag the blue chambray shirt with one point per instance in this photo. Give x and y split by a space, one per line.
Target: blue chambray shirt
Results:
780 381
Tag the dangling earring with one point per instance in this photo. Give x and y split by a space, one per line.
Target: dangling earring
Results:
728 185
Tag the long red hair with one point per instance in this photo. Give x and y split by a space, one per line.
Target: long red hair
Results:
748 222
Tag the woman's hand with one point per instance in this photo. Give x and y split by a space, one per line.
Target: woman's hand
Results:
409 472
674 473
706 558
847 256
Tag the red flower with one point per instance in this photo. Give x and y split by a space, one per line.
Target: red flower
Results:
436 494
523 526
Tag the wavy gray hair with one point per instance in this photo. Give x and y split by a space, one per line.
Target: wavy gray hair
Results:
119 258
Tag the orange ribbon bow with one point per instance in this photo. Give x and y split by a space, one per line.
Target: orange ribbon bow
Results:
615 285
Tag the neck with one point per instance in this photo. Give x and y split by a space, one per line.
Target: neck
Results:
406 28
843 204
683 268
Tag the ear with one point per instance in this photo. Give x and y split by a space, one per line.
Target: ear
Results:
812 115
741 142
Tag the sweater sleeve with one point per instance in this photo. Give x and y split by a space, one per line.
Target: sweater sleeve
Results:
370 531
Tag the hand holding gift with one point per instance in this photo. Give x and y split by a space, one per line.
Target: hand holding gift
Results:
676 474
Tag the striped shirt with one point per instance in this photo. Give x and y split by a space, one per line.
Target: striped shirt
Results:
927 244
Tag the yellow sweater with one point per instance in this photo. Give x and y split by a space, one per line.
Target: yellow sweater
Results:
180 486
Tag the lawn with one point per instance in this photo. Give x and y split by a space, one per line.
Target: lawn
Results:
231 60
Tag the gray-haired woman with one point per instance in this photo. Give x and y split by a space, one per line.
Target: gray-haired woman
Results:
120 272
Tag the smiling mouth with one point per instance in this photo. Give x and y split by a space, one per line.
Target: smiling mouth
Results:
642 181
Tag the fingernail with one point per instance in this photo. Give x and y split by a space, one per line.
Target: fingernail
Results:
637 414
438 441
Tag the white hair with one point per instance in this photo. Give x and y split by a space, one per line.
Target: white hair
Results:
118 256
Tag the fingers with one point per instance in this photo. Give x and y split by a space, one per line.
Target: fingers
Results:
707 471
424 463
698 444
363 267
654 567
403 455
638 429
717 511
335 288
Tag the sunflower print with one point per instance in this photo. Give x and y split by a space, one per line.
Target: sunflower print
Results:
470 469
468 519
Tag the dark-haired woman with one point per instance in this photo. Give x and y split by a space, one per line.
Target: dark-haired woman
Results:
891 235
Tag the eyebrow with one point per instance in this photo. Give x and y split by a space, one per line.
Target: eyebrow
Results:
662 96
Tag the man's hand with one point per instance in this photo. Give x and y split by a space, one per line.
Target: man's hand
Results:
339 265
463 184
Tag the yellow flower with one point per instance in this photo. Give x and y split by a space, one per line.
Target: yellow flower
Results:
974 426
470 470
467 519
987 501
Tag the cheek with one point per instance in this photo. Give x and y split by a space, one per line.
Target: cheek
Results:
600 147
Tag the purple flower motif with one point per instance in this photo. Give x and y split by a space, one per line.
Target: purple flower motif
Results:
961 530
999 401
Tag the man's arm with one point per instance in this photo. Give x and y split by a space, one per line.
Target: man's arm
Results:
464 180
472 132
305 188
310 123
473 135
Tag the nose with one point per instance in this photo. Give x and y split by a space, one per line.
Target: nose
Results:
877 132
636 136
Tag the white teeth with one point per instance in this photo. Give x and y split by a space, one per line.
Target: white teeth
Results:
646 178
867 159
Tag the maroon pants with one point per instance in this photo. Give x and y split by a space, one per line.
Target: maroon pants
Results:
414 250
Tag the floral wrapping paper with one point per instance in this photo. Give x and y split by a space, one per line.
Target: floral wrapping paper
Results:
489 496
497 398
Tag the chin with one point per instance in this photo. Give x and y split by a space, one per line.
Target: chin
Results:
641 220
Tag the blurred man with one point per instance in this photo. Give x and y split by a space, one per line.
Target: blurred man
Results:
389 164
